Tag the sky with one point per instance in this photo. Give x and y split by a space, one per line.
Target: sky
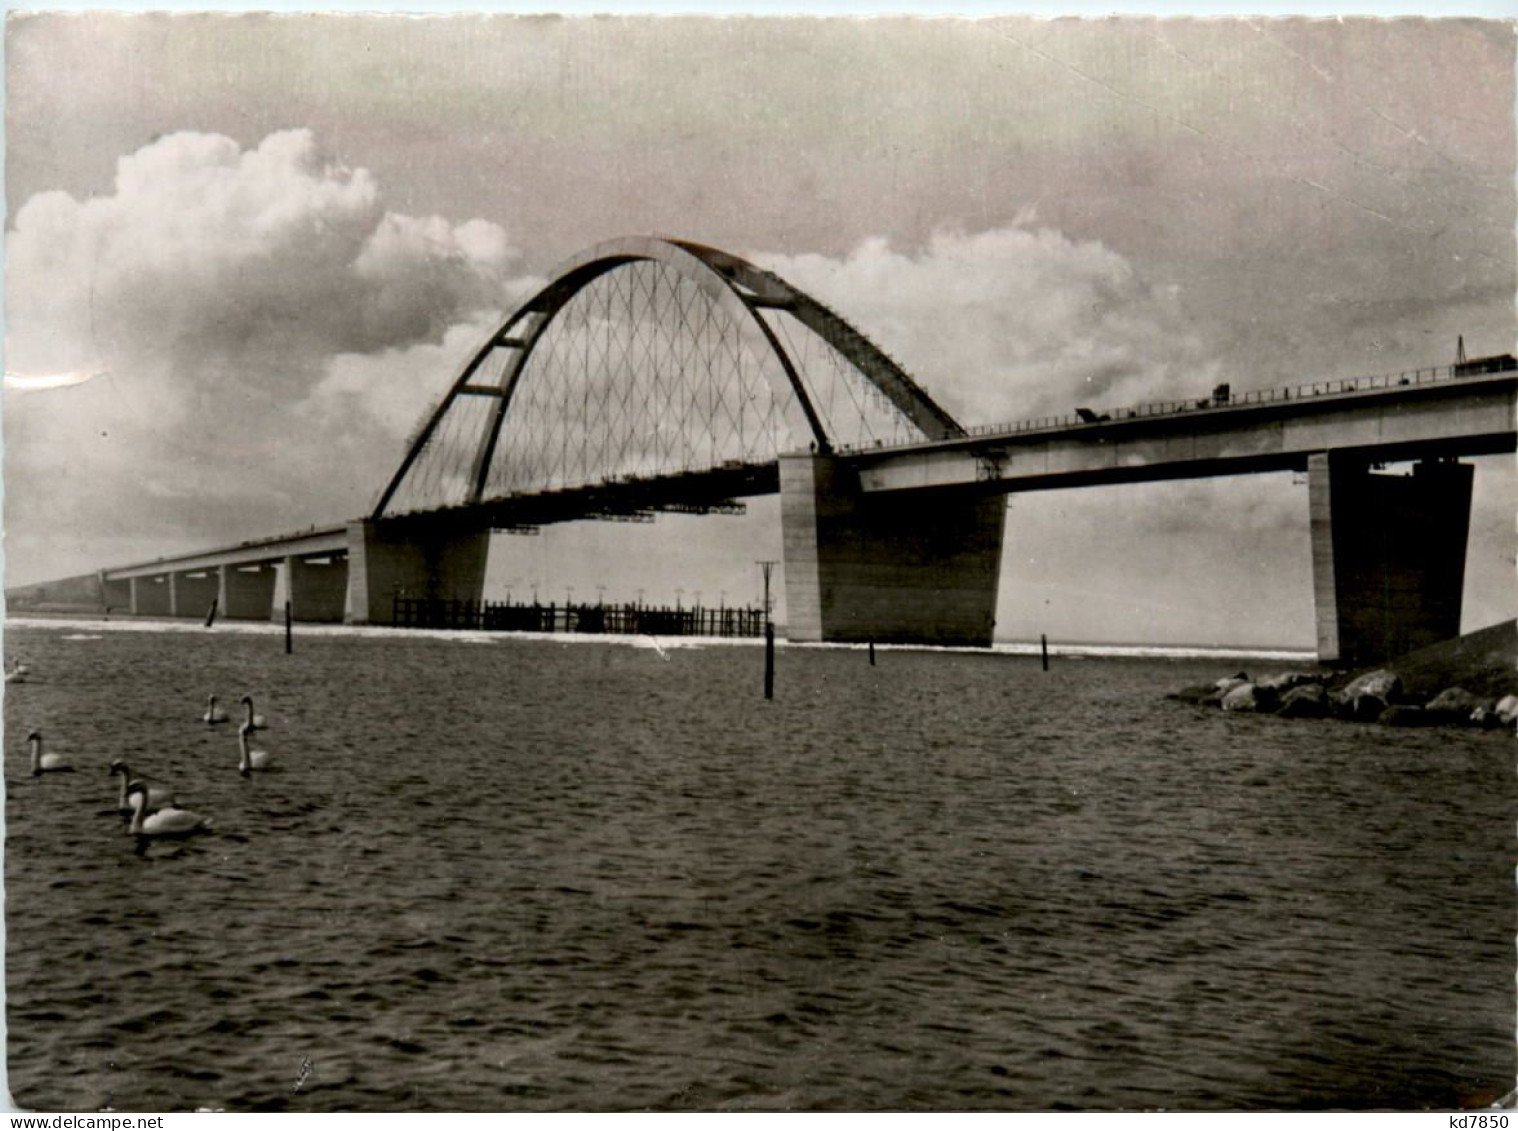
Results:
244 254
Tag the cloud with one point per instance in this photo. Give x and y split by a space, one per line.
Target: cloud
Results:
218 296
236 254
1012 323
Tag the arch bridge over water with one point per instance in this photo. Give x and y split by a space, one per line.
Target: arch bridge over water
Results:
655 375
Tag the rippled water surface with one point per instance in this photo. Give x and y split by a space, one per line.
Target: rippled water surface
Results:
531 875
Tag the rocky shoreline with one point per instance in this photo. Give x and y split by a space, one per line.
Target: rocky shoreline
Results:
1471 681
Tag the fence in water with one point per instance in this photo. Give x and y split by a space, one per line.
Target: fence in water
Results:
601 619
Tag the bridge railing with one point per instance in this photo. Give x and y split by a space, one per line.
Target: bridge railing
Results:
598 619
1222 398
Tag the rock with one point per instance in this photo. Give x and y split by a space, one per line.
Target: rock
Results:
1249 697
1507 708
1459 706
1309 701
1486 716
1404 716
1453 701
1366 697
1202 695
1383 684
1288 681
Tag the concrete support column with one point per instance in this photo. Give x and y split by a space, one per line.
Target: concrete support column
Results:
115 595
150 596
435 560
246 593
916 568
1388 556
316 590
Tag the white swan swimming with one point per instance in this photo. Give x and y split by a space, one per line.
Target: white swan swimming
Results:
158 796
45 763
214 714
250 759
253 722
170 821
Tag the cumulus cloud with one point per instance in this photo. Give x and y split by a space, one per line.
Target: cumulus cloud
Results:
1012 323
235 253
198 325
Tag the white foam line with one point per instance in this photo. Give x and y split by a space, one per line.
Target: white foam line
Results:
363 631
662 643
1098 651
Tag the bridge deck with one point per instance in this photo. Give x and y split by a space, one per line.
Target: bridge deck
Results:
1376 421
315 542
627 500
1428 413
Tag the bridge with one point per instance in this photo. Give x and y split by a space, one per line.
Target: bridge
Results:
661 376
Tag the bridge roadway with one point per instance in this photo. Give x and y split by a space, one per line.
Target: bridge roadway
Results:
632 499
1377 420
907 540
1380 420
322 542
904 542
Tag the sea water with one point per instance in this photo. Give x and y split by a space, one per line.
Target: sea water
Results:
495 873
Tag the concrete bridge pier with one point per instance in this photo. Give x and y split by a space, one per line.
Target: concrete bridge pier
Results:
436 558
316 589
115 594
151 596
918 568
245 592
1388 555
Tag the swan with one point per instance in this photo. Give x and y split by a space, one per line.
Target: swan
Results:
170 821
254 722
251 759
214 714
45 763
158 796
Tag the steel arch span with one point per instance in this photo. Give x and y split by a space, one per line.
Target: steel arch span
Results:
652 361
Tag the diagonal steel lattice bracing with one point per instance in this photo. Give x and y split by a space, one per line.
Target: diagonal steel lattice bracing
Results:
648 360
